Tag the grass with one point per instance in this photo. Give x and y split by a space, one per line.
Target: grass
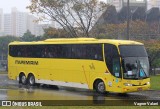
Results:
3 72
155 81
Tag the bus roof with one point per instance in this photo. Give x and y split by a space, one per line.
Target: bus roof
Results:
78 41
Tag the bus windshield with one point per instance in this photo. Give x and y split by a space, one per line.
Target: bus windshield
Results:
134 61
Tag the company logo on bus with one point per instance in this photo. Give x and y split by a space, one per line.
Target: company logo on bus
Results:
26 62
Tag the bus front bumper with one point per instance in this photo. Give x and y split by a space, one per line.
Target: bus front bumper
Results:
127 89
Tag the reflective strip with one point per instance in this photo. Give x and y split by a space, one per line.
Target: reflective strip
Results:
62 83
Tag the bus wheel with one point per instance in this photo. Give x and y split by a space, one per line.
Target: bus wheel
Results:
31 80
23 79
100 87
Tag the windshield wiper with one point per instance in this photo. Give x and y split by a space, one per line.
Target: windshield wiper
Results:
141 72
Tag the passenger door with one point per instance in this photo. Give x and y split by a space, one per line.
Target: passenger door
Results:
112 60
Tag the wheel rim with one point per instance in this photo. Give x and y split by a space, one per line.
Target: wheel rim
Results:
23 79
31 80
101 87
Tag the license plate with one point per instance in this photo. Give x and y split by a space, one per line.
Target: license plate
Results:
139 89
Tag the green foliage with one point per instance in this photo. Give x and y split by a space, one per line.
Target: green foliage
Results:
4 41
155 82
139 30
28 36
156 62
111 31
153 50
54 33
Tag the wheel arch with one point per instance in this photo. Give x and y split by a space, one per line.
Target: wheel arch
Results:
95 81
29 74
20 74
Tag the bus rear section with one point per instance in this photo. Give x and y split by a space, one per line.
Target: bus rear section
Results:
71 65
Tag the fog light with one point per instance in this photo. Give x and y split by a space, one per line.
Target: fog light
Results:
148 83
125 89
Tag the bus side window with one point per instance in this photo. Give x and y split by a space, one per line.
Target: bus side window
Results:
76 51
112 60
95 52
53 51
19 53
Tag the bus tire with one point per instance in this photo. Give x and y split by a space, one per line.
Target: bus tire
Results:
23 79
31 80
100 87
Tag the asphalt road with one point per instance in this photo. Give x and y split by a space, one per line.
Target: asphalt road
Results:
11 90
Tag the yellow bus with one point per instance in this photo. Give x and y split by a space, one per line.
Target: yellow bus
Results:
98 64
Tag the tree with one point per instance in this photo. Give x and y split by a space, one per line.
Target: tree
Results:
4 41
109 31
28 36
153 50
54 33
139 30
76 17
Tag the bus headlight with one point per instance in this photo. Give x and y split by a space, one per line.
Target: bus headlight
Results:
148 83
127 84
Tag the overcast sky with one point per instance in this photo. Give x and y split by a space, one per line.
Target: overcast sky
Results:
6 5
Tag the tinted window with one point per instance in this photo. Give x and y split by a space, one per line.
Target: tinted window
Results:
112 59
132 51
70 51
